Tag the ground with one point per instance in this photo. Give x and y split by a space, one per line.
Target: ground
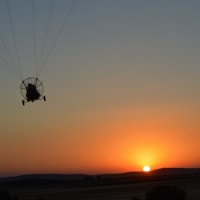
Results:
49 191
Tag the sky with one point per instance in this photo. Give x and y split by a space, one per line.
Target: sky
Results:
122 86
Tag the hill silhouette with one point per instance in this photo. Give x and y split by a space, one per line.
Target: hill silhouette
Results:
157 172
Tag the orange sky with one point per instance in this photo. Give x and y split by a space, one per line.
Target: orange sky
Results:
115 140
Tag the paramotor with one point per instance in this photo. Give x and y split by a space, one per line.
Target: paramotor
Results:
32 90
45 21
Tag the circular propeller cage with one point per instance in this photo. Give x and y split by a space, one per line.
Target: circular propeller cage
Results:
34 81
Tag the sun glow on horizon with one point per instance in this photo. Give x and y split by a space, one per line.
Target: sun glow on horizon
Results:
146 169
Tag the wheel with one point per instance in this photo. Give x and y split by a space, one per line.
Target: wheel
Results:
38 89
23 103
44 98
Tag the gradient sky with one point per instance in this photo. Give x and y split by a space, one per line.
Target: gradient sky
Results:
122 87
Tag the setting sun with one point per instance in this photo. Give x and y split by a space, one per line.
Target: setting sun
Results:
146 169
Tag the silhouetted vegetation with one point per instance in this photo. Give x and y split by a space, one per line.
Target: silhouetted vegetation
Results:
166 193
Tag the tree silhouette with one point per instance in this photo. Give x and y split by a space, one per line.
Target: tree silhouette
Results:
166 193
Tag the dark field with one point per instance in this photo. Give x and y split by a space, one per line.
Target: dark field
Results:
117 190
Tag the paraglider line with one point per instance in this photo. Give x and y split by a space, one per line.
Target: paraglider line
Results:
34 34
46 32
68 13
8 8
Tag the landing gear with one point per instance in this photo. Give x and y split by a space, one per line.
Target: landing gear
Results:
44 98
23 102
